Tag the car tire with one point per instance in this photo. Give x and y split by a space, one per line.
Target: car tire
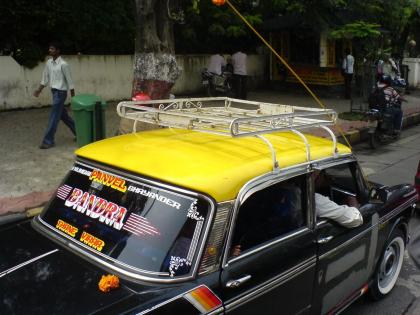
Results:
389 266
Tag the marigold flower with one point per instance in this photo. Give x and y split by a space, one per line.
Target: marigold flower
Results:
108 282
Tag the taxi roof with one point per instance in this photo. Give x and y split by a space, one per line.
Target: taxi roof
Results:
212 164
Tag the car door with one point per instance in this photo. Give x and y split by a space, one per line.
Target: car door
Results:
274 270
345 255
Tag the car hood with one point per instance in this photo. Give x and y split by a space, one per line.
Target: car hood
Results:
37 277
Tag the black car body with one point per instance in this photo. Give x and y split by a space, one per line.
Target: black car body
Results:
179 250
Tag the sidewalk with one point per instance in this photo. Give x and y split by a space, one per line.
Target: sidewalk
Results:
30 175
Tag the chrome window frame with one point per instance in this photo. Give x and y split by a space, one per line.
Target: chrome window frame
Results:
98 258
322 166
271 178
254 186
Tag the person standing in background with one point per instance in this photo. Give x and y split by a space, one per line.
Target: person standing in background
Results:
57 75
216 63
348 70
389 67
239 74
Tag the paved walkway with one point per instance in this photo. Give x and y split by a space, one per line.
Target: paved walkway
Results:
30 175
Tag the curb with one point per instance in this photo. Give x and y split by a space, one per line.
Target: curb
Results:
15 206
13 217
357 136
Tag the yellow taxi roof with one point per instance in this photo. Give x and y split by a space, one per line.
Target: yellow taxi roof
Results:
215 165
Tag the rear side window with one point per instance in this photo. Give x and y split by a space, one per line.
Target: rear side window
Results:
145 228
271 213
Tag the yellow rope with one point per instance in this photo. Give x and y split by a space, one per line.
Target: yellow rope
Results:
284 62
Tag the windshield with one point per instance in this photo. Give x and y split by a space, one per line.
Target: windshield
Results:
152 230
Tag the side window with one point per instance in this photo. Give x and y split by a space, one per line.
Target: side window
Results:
339 184
270 213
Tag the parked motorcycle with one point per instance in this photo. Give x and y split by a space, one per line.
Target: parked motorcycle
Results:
400 85
381 124
215 84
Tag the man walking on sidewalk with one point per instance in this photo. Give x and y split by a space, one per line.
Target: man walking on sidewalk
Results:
57 76
348 69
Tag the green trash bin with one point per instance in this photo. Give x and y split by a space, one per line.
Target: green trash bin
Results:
89 118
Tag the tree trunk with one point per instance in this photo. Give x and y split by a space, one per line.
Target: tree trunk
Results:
155 67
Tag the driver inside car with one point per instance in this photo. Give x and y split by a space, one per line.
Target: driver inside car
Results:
346 215
286 203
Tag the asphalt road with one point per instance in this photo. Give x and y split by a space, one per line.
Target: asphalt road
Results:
391 164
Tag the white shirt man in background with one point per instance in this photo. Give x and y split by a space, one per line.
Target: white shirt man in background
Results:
57 75
216 63
348 70
239 60
389 67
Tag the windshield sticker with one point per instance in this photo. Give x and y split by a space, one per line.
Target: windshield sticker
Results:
95 207
155 196
108 180
193 213
124 218
139 225
81 171
63 191
92 241
66 228
176 263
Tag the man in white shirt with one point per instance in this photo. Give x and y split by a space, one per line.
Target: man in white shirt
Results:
347 216
216 63
389 67
57 75
239 74
348 70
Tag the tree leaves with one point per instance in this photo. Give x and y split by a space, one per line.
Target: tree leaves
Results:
359 29
88 27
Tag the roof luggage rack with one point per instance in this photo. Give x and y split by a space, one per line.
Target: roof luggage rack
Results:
230 117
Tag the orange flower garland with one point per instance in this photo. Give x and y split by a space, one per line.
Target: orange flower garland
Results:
219 2
108 282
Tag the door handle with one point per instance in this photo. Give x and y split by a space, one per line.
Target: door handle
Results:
324 240
237 282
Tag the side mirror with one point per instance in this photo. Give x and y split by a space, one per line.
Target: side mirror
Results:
378 195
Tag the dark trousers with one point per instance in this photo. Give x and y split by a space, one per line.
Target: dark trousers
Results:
347 85
239 83
398 116
58 112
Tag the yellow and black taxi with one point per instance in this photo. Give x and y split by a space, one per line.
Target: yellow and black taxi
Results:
213 212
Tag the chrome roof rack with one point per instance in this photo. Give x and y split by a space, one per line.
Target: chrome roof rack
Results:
229 117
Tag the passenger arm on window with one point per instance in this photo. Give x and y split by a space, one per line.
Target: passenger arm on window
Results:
349 217
352 202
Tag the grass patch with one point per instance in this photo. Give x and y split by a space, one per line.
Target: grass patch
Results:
352 116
